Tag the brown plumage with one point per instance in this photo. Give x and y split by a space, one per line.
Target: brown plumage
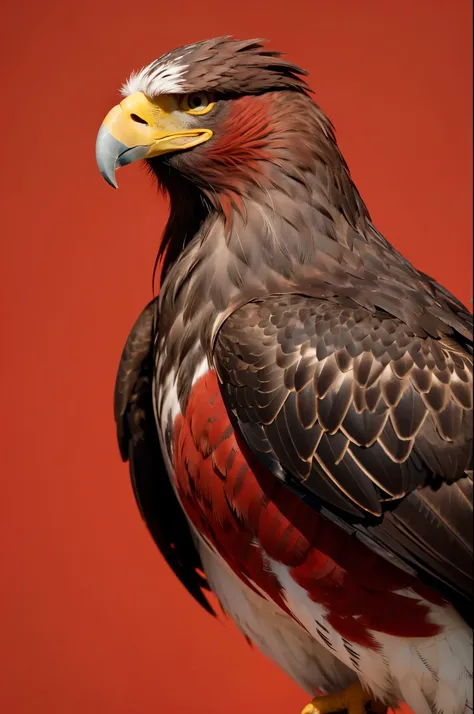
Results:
227 66
345 378
365 416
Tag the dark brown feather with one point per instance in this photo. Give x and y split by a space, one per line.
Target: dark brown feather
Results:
351 452
138 441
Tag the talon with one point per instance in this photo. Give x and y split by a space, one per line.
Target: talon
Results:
353 700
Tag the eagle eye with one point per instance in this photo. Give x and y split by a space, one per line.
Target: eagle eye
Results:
196 103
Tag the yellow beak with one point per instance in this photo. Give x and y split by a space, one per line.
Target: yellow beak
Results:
140 128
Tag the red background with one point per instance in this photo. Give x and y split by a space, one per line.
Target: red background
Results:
92 620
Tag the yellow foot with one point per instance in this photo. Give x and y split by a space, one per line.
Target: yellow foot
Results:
353 699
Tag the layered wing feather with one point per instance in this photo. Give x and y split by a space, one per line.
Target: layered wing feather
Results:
139 445
367 420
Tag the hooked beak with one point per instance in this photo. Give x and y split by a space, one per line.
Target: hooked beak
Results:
140 128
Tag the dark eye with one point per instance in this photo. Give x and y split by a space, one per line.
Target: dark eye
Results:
197 103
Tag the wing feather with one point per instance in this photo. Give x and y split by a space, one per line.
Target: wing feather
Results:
139 445
371 422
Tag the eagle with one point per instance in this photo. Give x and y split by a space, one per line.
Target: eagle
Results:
295 405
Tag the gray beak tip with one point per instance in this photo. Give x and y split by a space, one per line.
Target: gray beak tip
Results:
111 180
107 151
110 154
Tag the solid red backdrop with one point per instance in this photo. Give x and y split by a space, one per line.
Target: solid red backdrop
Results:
92 620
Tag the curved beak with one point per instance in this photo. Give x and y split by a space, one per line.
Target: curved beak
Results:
110 154
140 128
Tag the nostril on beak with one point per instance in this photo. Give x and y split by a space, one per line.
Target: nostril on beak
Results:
138 119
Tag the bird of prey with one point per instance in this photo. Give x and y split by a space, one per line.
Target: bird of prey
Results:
296 404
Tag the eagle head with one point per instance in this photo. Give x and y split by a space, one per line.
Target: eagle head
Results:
213 112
